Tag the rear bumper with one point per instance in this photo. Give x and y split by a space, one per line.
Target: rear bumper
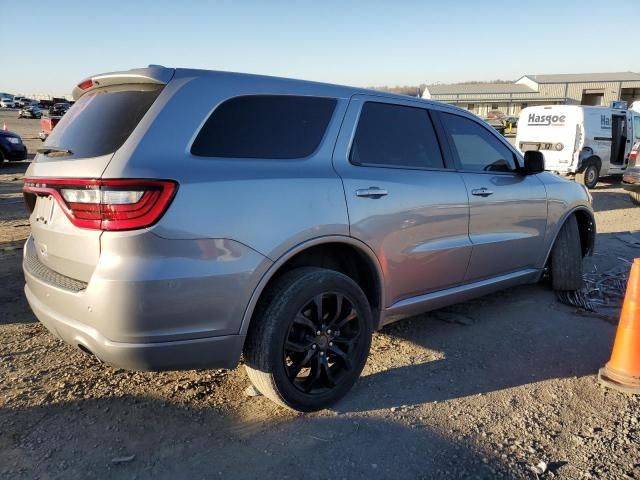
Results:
631 180
211 352
157 305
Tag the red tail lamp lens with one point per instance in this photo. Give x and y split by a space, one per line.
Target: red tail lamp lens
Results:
107 204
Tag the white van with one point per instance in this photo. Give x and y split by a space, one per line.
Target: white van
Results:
588 142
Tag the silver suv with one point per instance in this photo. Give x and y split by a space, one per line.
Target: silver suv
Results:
181 218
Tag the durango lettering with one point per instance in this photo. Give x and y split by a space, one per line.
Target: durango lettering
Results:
541 120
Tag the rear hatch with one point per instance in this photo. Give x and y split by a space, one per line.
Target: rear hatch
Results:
63 186
553 130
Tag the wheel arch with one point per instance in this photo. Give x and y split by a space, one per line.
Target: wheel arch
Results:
592 159
327 252
586 227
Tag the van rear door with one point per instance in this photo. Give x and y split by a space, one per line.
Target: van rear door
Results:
78 150
551 130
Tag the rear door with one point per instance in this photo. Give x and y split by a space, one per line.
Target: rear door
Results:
508 211
552 130
81 146
403 201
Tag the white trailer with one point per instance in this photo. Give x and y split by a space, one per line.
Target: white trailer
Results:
585 142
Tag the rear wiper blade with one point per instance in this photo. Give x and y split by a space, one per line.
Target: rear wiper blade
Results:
55 151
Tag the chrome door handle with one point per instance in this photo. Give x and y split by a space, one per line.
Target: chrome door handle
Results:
371 192
481 192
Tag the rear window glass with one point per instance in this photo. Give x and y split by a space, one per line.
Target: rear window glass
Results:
265 126
100 122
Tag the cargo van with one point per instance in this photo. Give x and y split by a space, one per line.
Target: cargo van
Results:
580 141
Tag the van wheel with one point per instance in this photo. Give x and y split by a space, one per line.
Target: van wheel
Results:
566 257
589 176
310 342
635 197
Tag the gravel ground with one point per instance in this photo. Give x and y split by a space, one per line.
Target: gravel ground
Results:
485 389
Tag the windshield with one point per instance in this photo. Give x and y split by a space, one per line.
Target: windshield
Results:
100 121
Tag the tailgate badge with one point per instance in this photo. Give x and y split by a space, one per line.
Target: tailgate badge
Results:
43 249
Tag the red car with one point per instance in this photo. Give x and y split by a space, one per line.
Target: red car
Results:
495 115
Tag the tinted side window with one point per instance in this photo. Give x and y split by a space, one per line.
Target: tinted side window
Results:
265 126
476 148
394 135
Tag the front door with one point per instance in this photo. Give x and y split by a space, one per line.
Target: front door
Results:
403 201
508 210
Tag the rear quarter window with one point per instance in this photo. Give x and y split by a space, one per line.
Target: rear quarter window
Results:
265 126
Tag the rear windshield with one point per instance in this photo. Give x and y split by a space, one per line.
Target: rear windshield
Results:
265 126
100 122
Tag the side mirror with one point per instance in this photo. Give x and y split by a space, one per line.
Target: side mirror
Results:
533 162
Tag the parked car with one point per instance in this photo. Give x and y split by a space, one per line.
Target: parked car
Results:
495 115
11 147
26 102
30 112
184 237
6 102
631 178
58 109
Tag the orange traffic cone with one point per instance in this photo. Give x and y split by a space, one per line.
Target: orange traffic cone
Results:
622 372
4 126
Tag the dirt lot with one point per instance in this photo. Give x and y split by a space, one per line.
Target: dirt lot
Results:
483 390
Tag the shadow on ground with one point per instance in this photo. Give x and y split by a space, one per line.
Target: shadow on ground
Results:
511 339
605 201
13 304
170 441
8 168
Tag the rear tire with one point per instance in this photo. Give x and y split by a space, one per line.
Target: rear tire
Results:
635 197
566 257
589 176
285 357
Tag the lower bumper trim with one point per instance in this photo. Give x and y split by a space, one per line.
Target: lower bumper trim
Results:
209 352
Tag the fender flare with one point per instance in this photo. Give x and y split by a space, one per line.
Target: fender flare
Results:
591 239
275 267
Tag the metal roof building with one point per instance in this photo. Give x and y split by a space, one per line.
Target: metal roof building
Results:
510 98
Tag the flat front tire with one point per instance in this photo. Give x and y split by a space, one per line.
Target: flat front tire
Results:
566 257
310 340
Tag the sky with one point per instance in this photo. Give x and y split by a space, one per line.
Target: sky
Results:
360 43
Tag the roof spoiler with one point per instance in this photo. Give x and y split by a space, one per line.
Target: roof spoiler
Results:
152 74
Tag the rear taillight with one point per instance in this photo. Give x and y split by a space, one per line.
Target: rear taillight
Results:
633 154
106 204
